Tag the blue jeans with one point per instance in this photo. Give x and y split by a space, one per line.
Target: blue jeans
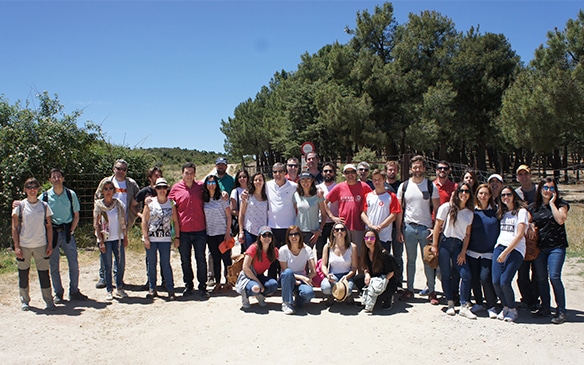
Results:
117 248
551 260
249 240
70 250
327 287
304 292
163 248
196 241
450 248
414 236
270 286
503 274
480 275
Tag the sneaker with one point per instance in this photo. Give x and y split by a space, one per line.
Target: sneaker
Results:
450 311
151 294
210 281
50 308
478 307
100 284
466 312
492 313
287 308
58 299
433 298
406 295
120 293
329 301
561 318
541 313
425 292
78 296
145 287
245 300
203 293
511 315
503 313
188 291
387 304
109 296
24 307
261 300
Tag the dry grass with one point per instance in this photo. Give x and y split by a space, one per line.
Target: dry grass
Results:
575 229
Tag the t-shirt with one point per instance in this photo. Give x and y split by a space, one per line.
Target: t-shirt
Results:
259 266
32 228
351 200
307 217
121 192
226 183
189 206
144 193
551 234
296 263
528 196
334 207
281 213
418 202
388 265
61 206
236 195
458 229
484 233
215 217
378 208
256 215
445 190
159 222
509 224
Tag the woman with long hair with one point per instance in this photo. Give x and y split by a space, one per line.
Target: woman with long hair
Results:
339 262
470 177
549 213
483 237
295 257
258 258
450 237
509 250
253 211
308 206
376 262
241 182
218 226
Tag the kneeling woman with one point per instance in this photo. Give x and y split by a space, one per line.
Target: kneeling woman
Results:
258 258
376 262
294 258
454 221
339 262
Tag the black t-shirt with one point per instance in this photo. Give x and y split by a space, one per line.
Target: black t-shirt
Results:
393 186
551 234
144 193
388 265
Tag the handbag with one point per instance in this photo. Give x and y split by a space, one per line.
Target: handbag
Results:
531 249
234 269
318 278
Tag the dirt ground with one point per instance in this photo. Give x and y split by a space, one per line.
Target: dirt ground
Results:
217 331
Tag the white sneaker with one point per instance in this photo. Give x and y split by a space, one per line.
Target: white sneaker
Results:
261 300
450 311
245 300
120 293
511 315
288 308
478 307
502 313
466 312
109 296
492 313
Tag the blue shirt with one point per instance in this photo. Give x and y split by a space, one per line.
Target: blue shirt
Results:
61 206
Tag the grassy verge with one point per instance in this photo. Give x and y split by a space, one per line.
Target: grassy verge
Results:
575 229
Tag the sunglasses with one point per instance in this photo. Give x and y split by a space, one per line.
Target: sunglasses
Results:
550 188
32 186
443 168
362 169
267 234
109 189
211 182
506 194
369 238
339 229
294 234
121 168
464 191
350 172
293 166
328 171
277 171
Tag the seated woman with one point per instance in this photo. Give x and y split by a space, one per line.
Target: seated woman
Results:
339 261
376 262
258 258
294 258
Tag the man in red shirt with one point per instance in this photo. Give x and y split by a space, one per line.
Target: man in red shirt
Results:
443 183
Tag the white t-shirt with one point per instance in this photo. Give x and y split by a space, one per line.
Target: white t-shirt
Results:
509 224
418 202
463 220
121 193
159 224
334 207
281 213
236 195
32 230
296 263
378 208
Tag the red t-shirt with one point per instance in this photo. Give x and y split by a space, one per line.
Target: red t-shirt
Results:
445 190
351 200
260 266
189 206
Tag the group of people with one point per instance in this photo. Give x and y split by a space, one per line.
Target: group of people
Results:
303 229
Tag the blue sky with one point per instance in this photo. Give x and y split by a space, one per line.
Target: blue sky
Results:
165 73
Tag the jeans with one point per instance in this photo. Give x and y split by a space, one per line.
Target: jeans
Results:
414 236
70 250
527 283
551 260
450 248
163 248
327 287
304 292
249 240
196 241
503 274
213 243
270 286
480 275
117 248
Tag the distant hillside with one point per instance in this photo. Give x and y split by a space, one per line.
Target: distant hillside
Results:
177 156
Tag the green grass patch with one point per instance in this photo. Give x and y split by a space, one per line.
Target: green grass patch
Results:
7 261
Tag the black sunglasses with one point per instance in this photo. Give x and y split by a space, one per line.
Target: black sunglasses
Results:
267 234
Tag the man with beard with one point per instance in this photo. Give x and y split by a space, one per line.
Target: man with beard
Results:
226 181
312 161
391 181
329 171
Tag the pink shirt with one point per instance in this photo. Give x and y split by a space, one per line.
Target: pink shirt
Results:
259 266
189 206
351 200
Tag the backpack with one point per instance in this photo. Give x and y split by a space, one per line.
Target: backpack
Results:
45 198
430 188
